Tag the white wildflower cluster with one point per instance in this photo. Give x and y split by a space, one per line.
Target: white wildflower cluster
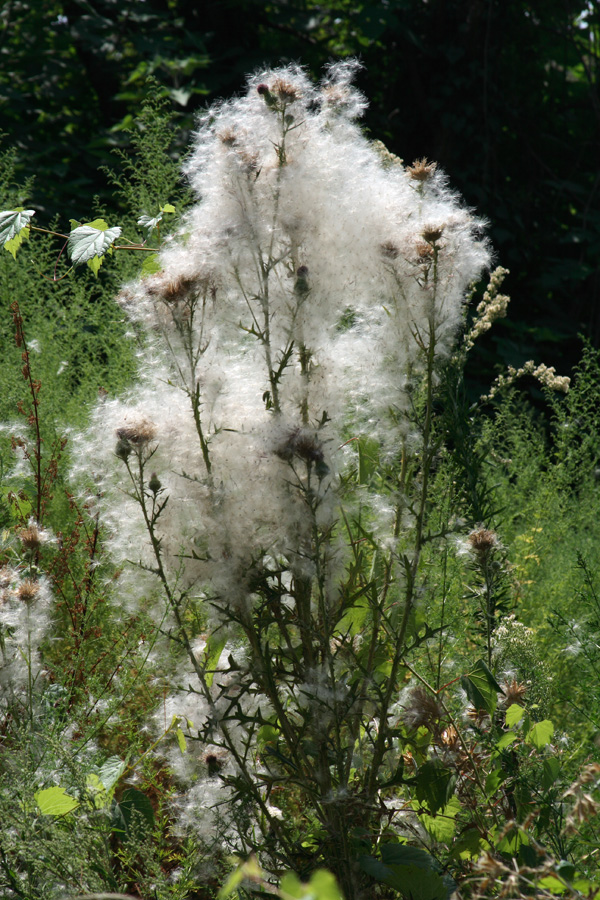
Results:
492 307
311 283
546 375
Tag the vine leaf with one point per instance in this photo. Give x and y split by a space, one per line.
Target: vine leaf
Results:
54 801
149 223
14 228
88 243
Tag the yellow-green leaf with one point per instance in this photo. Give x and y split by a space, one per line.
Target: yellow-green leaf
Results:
541 734
181 740
514 714
55 801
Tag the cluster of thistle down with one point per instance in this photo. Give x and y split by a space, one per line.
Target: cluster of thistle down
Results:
305 306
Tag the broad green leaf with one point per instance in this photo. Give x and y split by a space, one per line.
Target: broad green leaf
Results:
249 869
493 781
322 886
481 687
512 840
149 223
442 826
151 265
97 791
94 264
136 810
13 245
553 884
12 221
540 734
434 785
566 870
110 771
514 714
550 772
168 208
409 870
55 801
88 241
506 740
469 845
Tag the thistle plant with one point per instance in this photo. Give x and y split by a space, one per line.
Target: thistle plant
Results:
269 476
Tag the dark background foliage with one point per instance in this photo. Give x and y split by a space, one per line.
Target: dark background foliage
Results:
505 96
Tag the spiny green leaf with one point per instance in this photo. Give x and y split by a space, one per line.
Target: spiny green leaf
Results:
87 241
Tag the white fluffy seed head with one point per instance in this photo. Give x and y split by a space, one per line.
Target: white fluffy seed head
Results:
296 304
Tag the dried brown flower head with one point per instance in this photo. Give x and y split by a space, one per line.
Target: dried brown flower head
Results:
421 169
482 540
28 590
30 537
424 250
513 692
138 433
286 92
449 738
335 96
214 758
301 443
171 290
389 250
422 708
432 233
228 137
